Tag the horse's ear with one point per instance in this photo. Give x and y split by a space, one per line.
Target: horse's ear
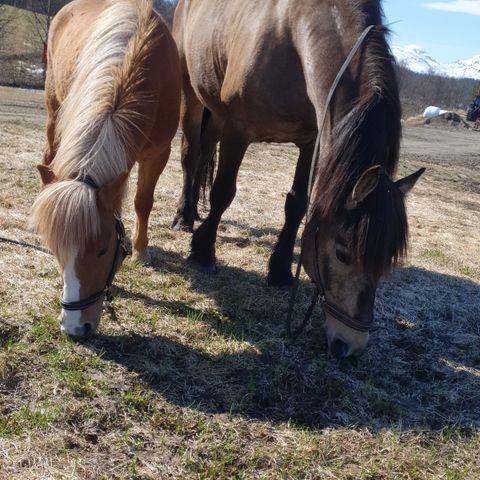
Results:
365 185
46 175
111 194
406 184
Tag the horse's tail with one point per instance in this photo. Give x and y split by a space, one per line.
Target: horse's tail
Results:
101 112
206 171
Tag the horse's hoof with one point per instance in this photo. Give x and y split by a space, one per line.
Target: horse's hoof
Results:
280 279
142 258
202 265
179 225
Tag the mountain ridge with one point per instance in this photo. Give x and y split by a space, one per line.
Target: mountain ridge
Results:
418 60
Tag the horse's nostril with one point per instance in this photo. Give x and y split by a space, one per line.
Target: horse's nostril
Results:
339 349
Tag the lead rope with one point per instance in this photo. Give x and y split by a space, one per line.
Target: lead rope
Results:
296 281
20 243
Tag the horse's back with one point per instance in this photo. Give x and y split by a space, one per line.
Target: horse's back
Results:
243 64
73 29
69 31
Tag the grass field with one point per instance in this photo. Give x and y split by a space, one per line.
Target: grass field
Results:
194 378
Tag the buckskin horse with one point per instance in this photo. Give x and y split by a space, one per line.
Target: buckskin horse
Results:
262 71
113 99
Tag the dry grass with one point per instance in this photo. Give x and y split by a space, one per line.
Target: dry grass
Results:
195 379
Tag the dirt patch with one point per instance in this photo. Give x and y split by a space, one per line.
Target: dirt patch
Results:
20 105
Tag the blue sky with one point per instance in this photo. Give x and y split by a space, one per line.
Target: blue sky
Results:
447 30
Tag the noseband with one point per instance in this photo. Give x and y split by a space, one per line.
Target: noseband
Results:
120 246
331 308
319 297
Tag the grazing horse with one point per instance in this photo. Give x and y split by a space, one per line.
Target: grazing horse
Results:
262 71
113 99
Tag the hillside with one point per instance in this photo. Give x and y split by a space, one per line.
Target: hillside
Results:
21 39
20 49
165 7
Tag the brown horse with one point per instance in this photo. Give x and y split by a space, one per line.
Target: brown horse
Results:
261 71
113 99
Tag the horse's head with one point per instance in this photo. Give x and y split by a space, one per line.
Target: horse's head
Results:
80 225
347 253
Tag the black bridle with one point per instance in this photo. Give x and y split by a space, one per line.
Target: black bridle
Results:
120 247
319 296
319 292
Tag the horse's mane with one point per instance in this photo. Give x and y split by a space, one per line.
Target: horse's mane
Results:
367 135
96 123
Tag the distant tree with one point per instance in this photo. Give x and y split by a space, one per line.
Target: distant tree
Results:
476 90
42 16
7 17
418 91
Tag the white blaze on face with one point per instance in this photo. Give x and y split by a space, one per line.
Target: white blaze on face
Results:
70 321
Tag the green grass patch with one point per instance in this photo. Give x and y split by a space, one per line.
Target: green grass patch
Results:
437 256
29 419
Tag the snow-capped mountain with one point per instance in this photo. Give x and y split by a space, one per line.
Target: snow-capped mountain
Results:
467 68
416 59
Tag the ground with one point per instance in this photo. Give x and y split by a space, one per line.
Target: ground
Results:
195 378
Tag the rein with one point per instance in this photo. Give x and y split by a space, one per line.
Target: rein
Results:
319 292
107 290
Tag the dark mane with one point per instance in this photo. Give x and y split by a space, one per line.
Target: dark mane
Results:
369 134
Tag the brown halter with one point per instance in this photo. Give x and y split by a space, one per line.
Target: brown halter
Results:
319 293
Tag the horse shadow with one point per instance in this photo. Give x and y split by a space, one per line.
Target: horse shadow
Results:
420 371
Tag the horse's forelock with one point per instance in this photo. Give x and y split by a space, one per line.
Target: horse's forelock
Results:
66 216
380 228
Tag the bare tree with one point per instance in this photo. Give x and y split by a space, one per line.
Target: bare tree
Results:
7 17
43 12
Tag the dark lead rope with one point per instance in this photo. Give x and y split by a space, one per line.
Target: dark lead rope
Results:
319 290
24 244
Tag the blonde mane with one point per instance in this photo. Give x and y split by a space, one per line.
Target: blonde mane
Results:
96 124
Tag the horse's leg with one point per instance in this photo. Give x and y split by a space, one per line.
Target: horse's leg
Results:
150 166
209 140
280 265
190 120
232 150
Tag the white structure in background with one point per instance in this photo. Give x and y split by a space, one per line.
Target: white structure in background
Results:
431 112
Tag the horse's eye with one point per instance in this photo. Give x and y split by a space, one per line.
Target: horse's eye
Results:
102 252
343 257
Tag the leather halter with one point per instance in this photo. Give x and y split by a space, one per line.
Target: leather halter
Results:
331 308
120 246
327 306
